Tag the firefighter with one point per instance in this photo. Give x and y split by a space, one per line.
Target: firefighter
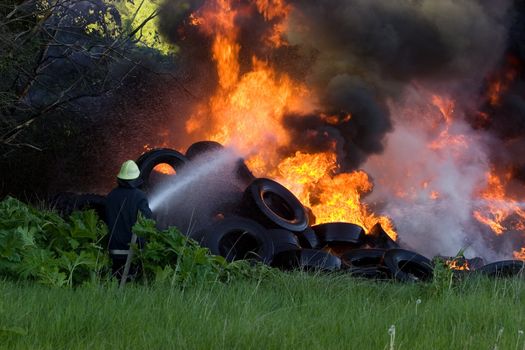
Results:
123 205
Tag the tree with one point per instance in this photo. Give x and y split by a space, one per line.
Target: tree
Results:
57 56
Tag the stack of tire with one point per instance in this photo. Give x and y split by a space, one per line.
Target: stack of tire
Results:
270 225
65 203
195 213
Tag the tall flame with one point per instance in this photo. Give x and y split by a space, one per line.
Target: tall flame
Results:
332 197
247 111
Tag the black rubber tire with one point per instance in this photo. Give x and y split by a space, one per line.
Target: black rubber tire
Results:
237 238
272 205
476 263
200 147
504 268
198 236
283 240
308 239
311 216
357 258
371 272
147 161
64 202
244 173
340 233
93 201
407 266
67 202
378 238
307 259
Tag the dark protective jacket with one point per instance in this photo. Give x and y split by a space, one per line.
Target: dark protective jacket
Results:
122 207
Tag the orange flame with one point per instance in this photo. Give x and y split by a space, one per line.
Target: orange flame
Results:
271 10
446 139
520 255
332 197
247 109
458 264
498 206
445 106
501 81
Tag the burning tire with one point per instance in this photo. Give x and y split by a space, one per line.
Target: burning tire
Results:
198 148
238 238
273 206
407 266
311 216
151 159
340 234
308 239
201 147
378 238
505 268
357 258
307 259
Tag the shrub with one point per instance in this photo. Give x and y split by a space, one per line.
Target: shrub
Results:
40 245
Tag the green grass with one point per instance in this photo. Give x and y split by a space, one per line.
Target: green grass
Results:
287 311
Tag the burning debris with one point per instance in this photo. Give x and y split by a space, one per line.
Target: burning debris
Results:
319 96
259 219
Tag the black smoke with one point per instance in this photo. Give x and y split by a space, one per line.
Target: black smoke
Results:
371 51
353 119
357 55
504 118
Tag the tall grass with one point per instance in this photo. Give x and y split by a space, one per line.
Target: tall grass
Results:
284 311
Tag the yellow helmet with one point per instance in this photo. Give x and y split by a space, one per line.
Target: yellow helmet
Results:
129 171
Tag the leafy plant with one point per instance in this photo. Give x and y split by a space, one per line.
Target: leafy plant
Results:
41 246
443 277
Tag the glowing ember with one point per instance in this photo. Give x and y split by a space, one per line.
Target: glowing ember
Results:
458 264
434 195
334 119
520 255
165 169
500 82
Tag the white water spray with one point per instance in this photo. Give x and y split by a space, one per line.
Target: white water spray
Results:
192 173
